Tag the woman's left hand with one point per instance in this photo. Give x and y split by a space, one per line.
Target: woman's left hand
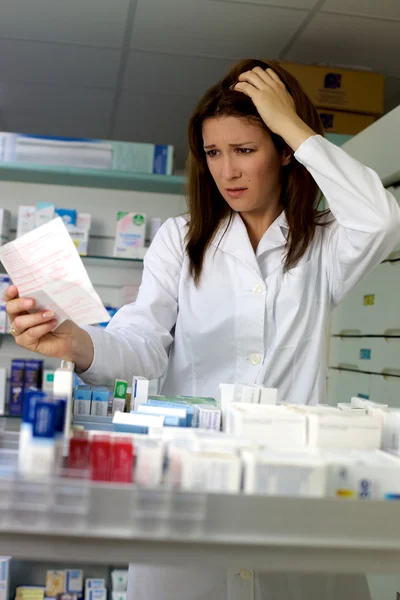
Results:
273 102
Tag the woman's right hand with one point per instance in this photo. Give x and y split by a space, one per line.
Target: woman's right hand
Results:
36 331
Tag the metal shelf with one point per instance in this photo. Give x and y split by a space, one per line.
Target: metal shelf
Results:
127 524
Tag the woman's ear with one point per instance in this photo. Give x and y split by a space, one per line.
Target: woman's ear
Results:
286 157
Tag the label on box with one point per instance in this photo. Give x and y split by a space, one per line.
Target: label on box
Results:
365 354
369 300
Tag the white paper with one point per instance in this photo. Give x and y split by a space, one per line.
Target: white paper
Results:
45 265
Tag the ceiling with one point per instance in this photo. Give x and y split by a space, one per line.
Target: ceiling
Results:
134 69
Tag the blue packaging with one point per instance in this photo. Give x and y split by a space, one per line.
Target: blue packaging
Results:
82 400
44 424
169 421
100 393
100 396
125 428
30 399
68 215
16 401
33 375
61 407
189 409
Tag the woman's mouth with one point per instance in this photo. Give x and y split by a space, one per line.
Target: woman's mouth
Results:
235 192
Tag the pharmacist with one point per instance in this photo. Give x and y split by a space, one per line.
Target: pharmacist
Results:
241 289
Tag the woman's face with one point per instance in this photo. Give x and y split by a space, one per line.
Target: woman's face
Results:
243 162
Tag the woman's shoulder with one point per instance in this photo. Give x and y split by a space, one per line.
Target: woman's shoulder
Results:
171 237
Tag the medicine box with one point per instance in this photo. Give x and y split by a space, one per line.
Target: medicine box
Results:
26 219
87 153
55 583
344 431
5 224
4 577
33 374
100 396
3 320
3 387
48 380
130 234
273 426
5 282
279 473
364 475
82 400
16 402
211 472
45 212
74 581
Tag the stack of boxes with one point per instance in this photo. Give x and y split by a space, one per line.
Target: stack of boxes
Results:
78 224
348 101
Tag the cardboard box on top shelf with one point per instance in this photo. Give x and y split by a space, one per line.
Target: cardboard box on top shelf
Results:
341 89
335 121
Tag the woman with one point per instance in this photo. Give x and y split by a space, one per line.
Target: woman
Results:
241 289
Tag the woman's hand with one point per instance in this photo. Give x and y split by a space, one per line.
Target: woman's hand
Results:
274 104
36 331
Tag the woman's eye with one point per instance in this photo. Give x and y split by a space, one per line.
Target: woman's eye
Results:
244 150
211 153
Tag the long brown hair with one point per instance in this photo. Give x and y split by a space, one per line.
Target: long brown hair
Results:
300 195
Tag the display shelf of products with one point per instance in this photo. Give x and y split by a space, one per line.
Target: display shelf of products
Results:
111 261
103 178
93 178
107 524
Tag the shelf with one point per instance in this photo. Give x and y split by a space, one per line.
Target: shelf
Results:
112 261
7 415
116 525
93 178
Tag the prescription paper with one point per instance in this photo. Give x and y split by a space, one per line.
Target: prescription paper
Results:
45 265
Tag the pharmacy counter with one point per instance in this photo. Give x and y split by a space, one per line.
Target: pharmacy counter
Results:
115 525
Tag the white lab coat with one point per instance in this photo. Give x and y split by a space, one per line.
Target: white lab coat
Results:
249 322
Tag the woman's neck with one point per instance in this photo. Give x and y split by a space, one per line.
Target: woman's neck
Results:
257 223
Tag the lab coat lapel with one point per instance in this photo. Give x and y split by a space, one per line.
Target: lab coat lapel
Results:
234 240
275 236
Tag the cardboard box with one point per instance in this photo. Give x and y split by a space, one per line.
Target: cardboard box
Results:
341 89
347 123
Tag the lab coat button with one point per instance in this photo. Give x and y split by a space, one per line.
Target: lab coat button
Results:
255 359
245 574
258 289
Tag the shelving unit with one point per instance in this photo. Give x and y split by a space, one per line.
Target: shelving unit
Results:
112 262
93 178
105 179
120 524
